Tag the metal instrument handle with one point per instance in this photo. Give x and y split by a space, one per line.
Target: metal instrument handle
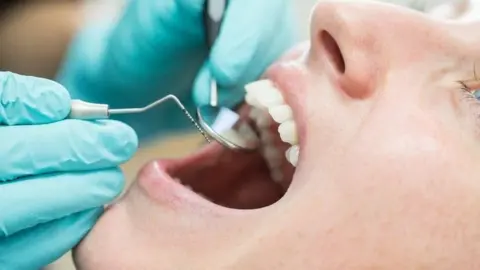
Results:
213 14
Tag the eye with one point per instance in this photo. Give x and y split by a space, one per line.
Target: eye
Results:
476 93
471 87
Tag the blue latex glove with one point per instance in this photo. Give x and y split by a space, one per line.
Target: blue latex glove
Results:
159 47
55 175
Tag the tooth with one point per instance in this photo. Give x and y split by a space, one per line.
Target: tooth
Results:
272 156
266 136
265 93
252 100
292 154
234 136
270 97
253 86
277 175
288 132
254 112
281 113
263 120
245 131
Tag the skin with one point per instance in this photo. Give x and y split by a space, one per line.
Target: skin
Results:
387 177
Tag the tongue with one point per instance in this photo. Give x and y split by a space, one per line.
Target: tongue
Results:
231 179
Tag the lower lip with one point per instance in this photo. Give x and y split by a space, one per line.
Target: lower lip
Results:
156 182
162 190
159 185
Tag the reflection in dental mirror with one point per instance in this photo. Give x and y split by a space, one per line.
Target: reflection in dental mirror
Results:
227 128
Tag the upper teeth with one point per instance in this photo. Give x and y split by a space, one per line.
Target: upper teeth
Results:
288 132
281 113
264 95
292 154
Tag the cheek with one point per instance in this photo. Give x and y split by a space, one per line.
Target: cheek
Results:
413 192
388 151
408 165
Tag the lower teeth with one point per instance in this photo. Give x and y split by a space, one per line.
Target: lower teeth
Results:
270 151
277 175
292 154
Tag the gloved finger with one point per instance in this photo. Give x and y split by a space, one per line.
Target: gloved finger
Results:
250 41
228 97
69 145
39 246
30 100
39 199
148 36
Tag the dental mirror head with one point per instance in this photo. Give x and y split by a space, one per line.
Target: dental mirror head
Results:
226 127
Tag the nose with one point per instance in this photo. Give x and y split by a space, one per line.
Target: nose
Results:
357 43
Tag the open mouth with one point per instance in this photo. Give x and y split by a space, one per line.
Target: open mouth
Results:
242 180
216 176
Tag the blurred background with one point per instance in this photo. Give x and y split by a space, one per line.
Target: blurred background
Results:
34 35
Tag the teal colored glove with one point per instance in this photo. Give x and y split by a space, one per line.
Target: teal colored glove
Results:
55 175
159 47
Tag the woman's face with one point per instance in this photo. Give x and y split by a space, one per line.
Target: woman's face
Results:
387 176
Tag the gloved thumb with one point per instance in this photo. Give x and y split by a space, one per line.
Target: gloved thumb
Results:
247 44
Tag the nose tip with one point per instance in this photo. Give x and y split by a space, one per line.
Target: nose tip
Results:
345 42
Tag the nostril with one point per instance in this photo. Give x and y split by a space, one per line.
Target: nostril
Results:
333 51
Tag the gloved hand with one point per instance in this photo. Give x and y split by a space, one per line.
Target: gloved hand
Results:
159 47
55 174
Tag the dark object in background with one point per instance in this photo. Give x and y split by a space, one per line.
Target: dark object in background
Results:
35 34
5 5
8 3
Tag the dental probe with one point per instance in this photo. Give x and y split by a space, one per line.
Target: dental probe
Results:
94 111
221 123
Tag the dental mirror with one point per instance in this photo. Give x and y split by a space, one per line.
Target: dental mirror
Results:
220 123
226 126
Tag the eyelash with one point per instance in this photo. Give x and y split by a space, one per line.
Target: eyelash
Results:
469 95
468 89
471 87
